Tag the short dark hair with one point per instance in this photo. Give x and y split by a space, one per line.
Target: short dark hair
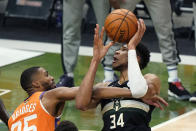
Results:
26 77
144 54
66 126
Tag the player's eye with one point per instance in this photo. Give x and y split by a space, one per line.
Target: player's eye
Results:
46 73
124 49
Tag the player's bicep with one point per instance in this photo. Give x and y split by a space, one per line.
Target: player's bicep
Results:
62 94
66 93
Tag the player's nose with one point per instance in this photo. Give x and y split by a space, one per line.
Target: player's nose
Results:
117 52
51 77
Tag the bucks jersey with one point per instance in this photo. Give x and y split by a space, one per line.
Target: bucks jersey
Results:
125 114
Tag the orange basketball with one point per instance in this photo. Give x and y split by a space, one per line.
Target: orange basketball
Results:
120 25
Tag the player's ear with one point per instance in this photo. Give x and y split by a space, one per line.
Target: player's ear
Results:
36 84
138 58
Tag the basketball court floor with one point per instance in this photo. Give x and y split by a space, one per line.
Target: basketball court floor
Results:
14 58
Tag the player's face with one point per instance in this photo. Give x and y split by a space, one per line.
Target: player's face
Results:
120 60
45 80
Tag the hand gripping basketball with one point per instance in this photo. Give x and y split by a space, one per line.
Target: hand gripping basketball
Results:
121 25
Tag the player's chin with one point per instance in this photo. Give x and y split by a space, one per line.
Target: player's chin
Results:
53 86
114 66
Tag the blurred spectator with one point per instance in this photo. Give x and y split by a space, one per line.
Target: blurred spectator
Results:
193 98
72 18
4 115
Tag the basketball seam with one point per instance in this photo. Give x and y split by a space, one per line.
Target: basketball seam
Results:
127 26
127 17
120 26
112 22
122 14
125 12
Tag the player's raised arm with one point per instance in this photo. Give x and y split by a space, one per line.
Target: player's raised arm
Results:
84 94
137 83
4 115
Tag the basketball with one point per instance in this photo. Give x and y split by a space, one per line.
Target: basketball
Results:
120 25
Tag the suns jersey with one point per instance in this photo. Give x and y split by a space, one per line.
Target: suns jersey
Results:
124 114
32 116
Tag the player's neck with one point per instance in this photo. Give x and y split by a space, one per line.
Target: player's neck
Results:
123 76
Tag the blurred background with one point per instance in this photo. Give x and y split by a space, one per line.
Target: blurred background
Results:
32 22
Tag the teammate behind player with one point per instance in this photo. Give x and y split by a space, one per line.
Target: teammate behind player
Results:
4 115
66 126
121 112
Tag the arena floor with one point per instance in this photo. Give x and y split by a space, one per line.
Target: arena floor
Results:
34 54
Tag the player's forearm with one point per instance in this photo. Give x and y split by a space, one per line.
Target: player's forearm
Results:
84 94
137 83
111 92
61 94
4 116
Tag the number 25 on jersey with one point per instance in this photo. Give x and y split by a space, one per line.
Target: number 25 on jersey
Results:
18 125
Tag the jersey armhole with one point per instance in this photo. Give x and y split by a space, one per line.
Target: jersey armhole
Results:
40 97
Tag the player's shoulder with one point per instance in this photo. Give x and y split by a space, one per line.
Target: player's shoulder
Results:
56 92
150 75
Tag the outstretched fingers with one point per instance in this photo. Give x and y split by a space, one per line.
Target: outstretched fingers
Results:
156 101
138 27
162 101
159 101
96 35
102 33
109 45
141 28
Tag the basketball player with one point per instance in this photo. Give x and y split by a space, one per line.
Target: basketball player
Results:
4 115
160 12
120 113
42 109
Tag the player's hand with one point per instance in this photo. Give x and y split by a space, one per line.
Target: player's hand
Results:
156 101
99 50
135 40
151 97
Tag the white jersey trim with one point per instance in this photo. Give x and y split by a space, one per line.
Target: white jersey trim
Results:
58 117
127 104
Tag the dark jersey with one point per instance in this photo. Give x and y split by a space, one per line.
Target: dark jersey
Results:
125 114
